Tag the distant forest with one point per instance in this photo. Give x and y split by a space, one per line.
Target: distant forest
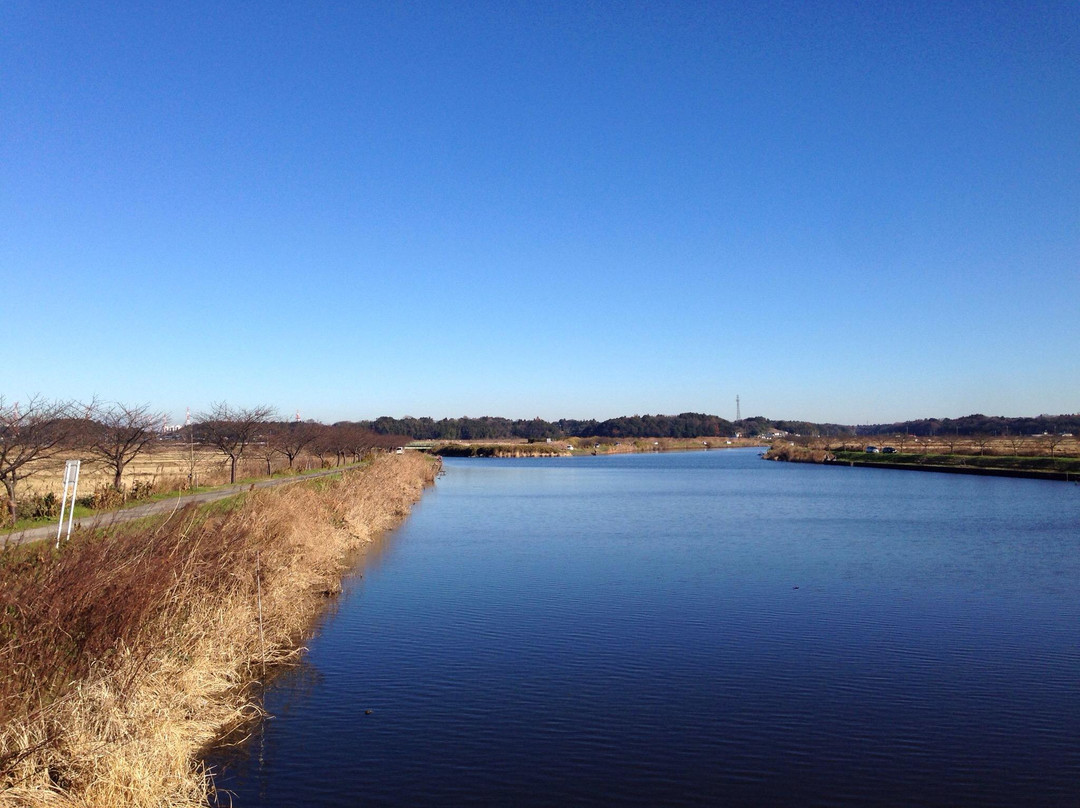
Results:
979 425
693 425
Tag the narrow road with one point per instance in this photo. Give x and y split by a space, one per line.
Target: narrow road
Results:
106 518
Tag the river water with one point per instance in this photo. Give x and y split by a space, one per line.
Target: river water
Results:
692 629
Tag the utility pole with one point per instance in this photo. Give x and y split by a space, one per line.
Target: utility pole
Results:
191 448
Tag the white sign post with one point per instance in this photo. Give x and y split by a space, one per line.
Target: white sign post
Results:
71 482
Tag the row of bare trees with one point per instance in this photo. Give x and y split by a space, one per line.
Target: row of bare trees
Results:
114 434
237 433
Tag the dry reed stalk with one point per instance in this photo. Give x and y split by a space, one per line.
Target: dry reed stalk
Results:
129 652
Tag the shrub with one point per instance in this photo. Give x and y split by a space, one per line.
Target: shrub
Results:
105 498
142 489
40 506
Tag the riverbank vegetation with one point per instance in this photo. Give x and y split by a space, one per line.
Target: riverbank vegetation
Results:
1051 455
127 651
1070 465
570 447
795 453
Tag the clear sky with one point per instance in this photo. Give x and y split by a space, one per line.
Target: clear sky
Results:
851 212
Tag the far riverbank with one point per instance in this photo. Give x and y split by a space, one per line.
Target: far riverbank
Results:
1028 467
577 447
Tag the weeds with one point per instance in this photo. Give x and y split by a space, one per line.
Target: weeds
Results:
108 497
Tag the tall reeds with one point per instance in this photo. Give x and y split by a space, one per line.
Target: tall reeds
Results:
128 651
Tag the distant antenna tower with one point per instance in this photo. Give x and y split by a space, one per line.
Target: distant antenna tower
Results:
738 409
298 416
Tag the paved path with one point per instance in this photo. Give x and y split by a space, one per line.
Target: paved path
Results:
106 518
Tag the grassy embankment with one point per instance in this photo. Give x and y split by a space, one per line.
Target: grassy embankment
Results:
581 446
128 651
1026 465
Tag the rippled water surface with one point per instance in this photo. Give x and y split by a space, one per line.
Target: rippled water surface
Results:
693 629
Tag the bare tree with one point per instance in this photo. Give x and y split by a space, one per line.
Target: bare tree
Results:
119 434
358 441
267 446
1052 441
323 444
296 437
231 430
1016 441
353 441
391 442
340 443
37 431
335 440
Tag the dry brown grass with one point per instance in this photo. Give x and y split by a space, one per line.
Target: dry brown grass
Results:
126 653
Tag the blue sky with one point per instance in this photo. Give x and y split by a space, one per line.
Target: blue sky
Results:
850 212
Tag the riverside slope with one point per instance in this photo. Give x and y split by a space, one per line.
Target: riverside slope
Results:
128 652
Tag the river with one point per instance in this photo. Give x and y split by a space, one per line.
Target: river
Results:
692 629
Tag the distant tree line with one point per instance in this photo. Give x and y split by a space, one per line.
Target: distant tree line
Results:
684 425
978 424
692 425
